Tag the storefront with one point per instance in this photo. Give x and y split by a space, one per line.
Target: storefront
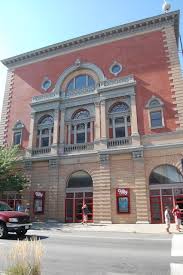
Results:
166 189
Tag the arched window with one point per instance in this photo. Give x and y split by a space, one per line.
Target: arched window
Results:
156 119
45 131
165 174
82 114
81 82
81 127
80 179
119 120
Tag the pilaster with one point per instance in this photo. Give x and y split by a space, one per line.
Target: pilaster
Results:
134 126
141 187
102 191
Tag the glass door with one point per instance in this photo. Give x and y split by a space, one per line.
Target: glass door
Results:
78 210
168 201
156 216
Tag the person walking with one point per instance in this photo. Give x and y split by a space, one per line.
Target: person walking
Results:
85 213
167 219
177 214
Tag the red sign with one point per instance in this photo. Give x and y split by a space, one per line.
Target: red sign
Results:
122 192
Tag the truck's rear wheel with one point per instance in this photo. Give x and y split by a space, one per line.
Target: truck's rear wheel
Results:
3 231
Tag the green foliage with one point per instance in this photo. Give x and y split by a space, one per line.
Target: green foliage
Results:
11 178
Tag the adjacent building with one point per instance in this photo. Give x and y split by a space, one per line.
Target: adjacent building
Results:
100 120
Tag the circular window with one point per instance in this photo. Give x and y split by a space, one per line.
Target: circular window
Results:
46 84
116 68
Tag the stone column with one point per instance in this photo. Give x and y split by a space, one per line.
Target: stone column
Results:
91 131
142 195
97 121
62 127
32 134
75 134
126 127
69 134
103 119
134 125
56 127
86 136
113 128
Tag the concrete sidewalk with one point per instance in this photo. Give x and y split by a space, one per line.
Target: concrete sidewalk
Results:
128 228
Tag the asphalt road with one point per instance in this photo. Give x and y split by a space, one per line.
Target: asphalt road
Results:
105 253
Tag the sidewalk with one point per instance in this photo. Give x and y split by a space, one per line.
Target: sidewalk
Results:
128 228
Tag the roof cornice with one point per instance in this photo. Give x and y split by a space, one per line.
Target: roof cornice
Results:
96 37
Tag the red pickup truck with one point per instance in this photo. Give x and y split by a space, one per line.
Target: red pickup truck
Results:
13 221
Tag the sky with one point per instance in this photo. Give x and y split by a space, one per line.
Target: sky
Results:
29 25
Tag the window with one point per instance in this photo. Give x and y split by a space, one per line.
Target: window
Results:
80 179
156 119
81 82
155 113
81 127
115 68
46 84
119 120
17 133
165 174
45 131
17 138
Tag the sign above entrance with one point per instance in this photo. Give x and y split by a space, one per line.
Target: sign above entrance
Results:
122 192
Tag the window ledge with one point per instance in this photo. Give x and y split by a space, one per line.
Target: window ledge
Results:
157 127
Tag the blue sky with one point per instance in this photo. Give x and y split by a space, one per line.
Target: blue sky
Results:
28 25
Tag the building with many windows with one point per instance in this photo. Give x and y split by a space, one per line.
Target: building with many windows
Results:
100 120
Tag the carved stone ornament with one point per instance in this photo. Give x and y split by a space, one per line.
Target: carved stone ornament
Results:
28 165
53 163
77 62
104 158
138 154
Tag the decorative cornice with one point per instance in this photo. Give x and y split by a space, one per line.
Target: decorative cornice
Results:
96 37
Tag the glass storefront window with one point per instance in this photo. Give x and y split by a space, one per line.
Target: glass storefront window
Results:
166 192
178 191
155 192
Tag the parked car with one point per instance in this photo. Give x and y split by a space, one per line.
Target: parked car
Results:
13 221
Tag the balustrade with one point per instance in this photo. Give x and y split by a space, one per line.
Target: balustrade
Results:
41 151
119 142
78 147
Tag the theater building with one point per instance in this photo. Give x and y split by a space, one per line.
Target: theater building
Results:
100 120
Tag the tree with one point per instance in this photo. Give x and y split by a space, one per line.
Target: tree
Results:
11 176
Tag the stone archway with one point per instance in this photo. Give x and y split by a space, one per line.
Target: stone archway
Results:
79 190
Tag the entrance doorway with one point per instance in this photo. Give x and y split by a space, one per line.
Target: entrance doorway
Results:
79 191
166 189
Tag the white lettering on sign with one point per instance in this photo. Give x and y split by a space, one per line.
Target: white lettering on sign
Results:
39 194
122 191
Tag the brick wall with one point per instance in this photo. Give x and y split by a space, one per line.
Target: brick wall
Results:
142 55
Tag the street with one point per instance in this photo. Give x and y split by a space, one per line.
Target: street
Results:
107 253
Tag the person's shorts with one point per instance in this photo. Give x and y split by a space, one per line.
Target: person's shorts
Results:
178 221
